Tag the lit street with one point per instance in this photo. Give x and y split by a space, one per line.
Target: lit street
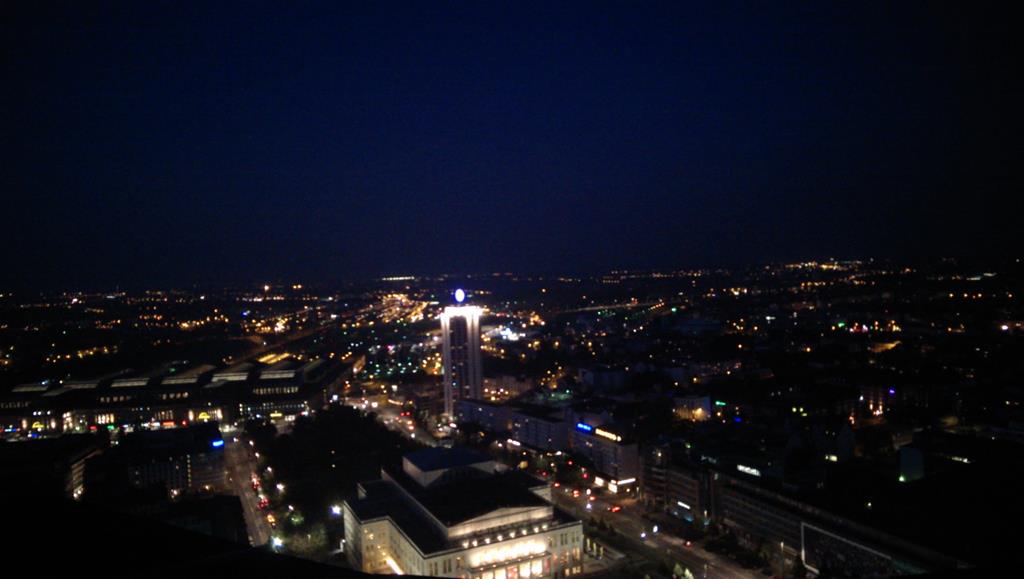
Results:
240 465
629 524
389 417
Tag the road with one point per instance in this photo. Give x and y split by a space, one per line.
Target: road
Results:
389 417
617 306
629 523
282 345
240 465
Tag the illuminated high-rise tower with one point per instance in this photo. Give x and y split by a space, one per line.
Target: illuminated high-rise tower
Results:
460 330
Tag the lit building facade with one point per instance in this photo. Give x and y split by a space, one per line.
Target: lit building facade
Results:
669 483
463 374
171 399
616 460
451 513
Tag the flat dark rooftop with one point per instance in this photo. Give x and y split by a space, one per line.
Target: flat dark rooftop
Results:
385 499
197 438
459 501
543 413
48 450
436 458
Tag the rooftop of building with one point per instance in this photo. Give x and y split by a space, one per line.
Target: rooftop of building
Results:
198 438
189 376
383 498
462 500
48 450
396 496
438 458
240 368
538 412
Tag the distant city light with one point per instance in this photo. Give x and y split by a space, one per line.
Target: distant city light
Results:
217 443
748 470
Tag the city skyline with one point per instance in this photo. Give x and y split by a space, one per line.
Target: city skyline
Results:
280 282
653 421
529 290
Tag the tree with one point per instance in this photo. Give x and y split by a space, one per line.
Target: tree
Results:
261 432
309 544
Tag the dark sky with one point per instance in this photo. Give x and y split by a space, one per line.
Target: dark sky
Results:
171 143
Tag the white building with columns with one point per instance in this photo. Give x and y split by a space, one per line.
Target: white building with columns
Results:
453 513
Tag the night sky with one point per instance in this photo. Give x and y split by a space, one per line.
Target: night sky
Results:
152 144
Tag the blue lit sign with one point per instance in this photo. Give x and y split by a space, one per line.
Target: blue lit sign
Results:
460 295
217 443
584 427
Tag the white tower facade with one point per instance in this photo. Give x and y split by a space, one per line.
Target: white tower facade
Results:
463 375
